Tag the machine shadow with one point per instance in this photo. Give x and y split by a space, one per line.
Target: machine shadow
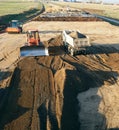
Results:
22 16
114 129
94 49
46 114
103 49
42 112
4 75
83 79
9 108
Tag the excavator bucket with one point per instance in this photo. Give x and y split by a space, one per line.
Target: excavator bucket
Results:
33 51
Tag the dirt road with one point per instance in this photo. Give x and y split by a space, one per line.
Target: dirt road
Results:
60 91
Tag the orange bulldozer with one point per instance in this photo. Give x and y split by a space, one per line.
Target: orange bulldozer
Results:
33 47
14 27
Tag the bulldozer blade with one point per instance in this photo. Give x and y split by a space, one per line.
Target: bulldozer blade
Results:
34 51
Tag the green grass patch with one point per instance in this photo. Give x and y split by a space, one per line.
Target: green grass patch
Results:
21 10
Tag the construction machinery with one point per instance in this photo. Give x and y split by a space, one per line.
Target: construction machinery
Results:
33 47
14 27
75 42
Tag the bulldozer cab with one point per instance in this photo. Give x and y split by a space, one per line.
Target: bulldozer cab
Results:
15 23
33 47
33 37
33 33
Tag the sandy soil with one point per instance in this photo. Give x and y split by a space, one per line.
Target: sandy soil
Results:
60 91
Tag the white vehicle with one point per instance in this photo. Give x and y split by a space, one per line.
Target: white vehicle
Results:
75 42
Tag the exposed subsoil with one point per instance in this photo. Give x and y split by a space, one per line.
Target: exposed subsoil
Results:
66 19
43 91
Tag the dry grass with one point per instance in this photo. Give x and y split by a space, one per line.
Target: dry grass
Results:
106 10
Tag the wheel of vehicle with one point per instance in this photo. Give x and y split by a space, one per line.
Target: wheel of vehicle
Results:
84 52
65 46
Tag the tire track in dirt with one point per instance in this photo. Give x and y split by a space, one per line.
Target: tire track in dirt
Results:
10 49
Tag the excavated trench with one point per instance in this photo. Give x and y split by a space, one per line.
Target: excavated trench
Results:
66 19
43 91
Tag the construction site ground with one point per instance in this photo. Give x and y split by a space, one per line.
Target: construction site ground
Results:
60 91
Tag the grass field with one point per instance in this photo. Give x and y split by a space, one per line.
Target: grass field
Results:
106 10
17 9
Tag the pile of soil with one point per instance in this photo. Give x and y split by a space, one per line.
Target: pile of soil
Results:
76 34
43 91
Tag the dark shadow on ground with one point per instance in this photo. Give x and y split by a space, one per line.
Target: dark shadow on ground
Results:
103 49
45 114
113 129
77 81
52 115
42 112
21 16
95 49
9 108
110 20
4 75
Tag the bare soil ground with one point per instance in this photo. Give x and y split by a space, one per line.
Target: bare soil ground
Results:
60 91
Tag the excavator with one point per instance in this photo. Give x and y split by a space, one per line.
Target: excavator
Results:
14 27
33 47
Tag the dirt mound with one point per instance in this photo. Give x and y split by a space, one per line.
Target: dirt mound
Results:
77 35
43 90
